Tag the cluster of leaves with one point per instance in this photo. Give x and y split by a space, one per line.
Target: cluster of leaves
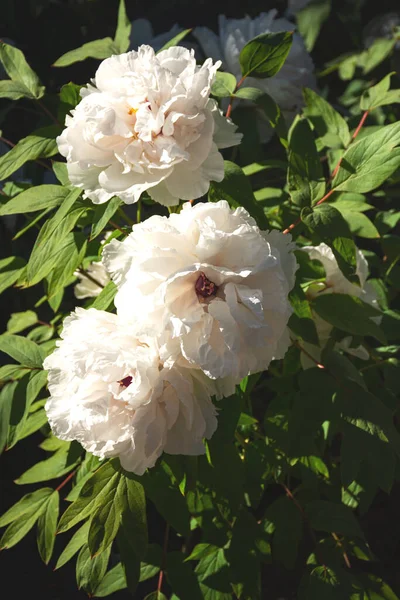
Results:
299 456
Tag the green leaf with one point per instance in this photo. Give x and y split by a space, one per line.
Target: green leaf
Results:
20 321
301 321
22 350
75 543
130 561
265 54
113 581
90 571
61 172
52 239
105 520
375 54
32 423
28 503
133 518
329 124
6 399
269 107
47 527
23 515
123 32
330 226
91 496
35 198
99 49
236 189
305 178
224 85
71 256
214 574
364 443
70 95
182 578
10 270
14 90
369 162
175 40
348 313
19 410
20 72
310 20
288 530
59 464
41 144
106 297
167 498
329 516
360 224
379 95
102 214
152 562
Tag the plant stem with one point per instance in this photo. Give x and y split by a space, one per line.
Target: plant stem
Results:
127 219
48 113
164 560
92 279
68 478
229 109
290 495
139 211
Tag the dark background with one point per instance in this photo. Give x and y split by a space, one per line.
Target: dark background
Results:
45 30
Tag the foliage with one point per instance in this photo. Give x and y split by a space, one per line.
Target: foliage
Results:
299 455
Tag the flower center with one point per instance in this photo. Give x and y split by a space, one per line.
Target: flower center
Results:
205 287
126 381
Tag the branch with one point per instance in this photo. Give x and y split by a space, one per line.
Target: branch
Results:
68 478
163 560
229 109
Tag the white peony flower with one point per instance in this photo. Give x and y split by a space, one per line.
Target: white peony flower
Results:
92 281
211 278
147 123
286 86
110 392
336 283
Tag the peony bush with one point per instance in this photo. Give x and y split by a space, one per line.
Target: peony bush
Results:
208 274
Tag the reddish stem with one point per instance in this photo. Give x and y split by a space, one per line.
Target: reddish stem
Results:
229 109
68 478
334 172
163 561
48 113
318 364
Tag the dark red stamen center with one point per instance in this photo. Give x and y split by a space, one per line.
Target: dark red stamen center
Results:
204 287
126 381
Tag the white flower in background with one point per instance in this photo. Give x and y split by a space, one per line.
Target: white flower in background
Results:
211 278
382 26
295 6
92 281
286 86
336 283
110 392
147 123
142 33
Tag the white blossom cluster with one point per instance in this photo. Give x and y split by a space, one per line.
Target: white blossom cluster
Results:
202 301
147 124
